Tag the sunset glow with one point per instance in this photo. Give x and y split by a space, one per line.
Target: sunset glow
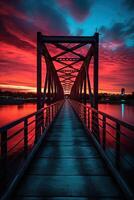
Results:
20 21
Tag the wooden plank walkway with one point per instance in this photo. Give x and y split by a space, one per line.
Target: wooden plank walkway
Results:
67 166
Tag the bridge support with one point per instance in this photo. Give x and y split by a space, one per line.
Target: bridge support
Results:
39 70
95 121
95 103
39 85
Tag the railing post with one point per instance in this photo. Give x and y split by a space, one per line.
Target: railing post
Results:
89 118
52 112
4 156
25 137
38 127
117 150
56 108
92 116
47 119
43 123
81 112
85 113
104 133
95 124
49 114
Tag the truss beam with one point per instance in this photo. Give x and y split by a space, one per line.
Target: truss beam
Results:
74 75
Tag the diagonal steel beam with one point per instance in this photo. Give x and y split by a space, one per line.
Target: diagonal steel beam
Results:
71 49
67 50
84 67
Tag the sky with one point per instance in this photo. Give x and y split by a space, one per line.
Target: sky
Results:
21 19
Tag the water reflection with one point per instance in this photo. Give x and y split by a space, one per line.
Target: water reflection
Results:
122 110
9 113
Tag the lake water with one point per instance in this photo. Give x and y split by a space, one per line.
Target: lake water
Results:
120 111
9 113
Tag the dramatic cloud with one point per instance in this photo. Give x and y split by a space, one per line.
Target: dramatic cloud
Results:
116 56
129 4
118 33
77 8
35 15
116 68
20 21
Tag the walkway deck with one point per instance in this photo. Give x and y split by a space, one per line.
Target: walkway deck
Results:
67 166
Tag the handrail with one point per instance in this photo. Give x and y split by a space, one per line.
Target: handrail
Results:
18 138
107 130
14 123
128 125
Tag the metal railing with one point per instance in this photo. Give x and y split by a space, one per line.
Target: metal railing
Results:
18 138
115 136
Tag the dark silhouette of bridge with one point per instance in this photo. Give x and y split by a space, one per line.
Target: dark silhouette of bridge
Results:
67 149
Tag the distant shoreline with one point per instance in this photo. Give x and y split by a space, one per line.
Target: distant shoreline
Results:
16 101
25 101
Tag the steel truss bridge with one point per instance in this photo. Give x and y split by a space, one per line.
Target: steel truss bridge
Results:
67 67
67 149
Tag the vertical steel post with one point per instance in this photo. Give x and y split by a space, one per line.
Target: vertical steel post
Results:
55 92
25 137
89 118
52 88
52 112
3 157
49 94
39 70
104 133
47 117
89 90
85 85
117 150
85 93
43 122
79 92
45 89
96 63
95 99
39 84
49 85
81 87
